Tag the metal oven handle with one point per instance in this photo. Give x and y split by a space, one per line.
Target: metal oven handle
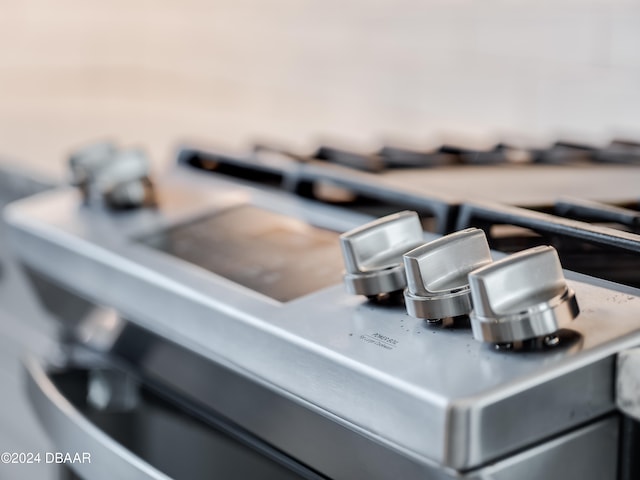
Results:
71 432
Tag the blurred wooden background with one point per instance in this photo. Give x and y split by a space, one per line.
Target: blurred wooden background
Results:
153 72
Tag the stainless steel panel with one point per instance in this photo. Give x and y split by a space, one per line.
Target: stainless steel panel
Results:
434 396
588 453
23 325
145 439
71 432
628 382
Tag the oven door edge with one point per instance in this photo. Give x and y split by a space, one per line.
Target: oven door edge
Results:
72 433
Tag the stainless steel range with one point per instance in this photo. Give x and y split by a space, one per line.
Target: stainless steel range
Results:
399 314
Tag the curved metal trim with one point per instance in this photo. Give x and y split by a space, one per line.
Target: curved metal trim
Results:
72 432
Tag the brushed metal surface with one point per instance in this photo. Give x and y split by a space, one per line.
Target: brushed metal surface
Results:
628 382
432 395
72 432
23 326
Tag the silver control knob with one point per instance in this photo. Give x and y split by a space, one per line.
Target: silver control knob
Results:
84 162
373 253
119 179
521 297
437 274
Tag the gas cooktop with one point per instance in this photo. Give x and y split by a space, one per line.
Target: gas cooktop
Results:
399 314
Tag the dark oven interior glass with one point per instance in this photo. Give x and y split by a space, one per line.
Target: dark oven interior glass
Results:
279 256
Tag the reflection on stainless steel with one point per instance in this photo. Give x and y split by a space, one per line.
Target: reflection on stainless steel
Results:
225 305
264 251
111 390
99 329
151 439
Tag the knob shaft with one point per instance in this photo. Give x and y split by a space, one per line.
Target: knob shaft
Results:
521 297
437 274
373 253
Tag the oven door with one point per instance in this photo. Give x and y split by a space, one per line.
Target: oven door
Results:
104 425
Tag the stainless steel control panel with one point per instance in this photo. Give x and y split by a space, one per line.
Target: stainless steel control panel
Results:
433 396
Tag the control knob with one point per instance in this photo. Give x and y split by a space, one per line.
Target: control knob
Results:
373 254
437 274
521 297
120 179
